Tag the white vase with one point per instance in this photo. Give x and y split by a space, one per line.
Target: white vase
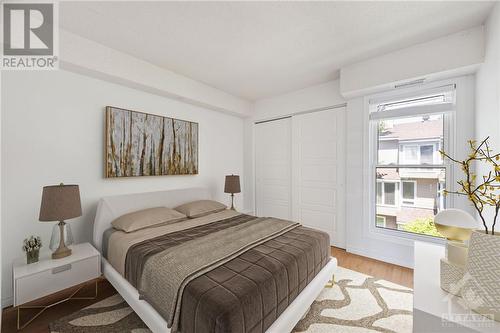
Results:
481 289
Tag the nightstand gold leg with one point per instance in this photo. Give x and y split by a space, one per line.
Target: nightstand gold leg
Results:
45 307
331 282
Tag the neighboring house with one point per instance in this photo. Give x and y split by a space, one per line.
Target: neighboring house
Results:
407 194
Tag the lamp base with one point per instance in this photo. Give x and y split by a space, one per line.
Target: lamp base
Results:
61 253
232 202
456 252
62 250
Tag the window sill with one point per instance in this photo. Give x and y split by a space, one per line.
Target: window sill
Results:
405 235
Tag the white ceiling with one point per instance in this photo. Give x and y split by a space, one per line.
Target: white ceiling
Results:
260 49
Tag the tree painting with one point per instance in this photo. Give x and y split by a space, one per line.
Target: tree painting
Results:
140 144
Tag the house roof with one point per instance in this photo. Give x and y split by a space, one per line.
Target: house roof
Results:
396 174
427 129
388 174
405 214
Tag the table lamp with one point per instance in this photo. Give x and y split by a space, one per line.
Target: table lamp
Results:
232 186
59 203
456 225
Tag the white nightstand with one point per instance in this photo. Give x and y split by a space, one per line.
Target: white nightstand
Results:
51 275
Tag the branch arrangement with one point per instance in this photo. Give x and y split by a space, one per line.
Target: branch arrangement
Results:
487 191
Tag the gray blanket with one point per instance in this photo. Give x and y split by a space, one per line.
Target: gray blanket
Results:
166 273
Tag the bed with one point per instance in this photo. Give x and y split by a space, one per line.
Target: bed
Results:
283 320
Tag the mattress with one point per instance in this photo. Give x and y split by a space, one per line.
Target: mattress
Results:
224 272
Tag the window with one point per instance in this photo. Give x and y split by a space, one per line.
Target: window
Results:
387 193
423 153
381 221
390 194
408 169
427 154
410 154
408 192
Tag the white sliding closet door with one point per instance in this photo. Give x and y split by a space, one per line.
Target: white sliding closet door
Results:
318 172
273 168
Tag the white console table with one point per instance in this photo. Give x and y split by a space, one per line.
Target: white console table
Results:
434 310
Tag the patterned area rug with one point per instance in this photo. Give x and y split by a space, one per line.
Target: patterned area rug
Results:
111 315
360 303
356 303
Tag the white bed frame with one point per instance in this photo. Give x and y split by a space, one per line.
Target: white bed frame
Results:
112 207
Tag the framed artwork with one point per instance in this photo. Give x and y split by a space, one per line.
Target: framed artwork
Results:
142 144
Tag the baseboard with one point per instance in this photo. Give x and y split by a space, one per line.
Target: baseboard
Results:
381 257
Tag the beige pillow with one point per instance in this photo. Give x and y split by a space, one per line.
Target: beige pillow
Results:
146 218
199 208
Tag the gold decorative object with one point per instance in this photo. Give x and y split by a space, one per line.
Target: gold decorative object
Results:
453 233
330 282
456 252
456 225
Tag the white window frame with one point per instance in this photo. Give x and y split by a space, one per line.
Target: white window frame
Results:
414 193
449 133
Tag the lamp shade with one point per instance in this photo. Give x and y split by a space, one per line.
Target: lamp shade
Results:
232 184
60 202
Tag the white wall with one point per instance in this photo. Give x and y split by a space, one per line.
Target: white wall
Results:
53 131
453 55
315 97
357 238
488 87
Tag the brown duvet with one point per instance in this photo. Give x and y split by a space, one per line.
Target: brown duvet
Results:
235 273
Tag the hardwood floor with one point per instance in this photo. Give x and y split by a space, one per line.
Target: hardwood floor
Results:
41 324
380 269
376 268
